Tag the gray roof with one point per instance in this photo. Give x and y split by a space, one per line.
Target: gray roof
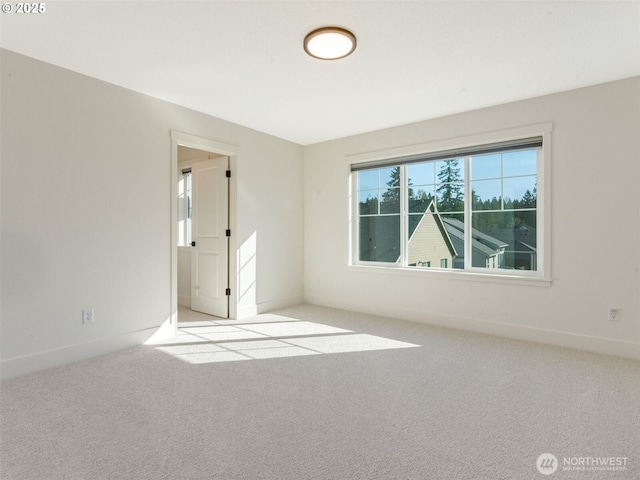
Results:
480 242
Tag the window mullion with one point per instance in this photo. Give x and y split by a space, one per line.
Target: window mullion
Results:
501 181
404 217
468 200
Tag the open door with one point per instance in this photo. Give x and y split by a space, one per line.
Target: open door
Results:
210 255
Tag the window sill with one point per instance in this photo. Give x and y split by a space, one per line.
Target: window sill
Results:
459 275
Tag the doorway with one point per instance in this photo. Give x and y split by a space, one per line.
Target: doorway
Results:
203 222
203 225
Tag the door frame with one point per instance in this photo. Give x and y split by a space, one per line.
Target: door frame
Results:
211 146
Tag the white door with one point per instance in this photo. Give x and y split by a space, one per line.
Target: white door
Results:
209 257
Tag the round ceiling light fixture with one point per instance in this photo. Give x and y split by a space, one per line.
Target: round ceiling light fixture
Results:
330 43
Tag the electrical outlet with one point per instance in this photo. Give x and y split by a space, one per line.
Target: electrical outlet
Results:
614 314
87 315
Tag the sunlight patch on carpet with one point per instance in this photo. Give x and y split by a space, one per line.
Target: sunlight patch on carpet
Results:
279 338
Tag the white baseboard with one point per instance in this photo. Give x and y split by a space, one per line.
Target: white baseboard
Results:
245 311
280 303
16 367
607 346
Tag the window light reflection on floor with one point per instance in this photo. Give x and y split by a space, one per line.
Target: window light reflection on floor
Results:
223 341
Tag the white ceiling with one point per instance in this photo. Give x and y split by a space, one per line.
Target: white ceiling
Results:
244 62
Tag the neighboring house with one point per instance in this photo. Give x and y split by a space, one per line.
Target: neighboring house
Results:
486 251
439 242
524 255
430 244
503 248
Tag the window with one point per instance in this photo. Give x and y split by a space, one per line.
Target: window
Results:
471 209
184 208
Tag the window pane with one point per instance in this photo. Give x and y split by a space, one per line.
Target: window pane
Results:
505 240
486 166
390 201
430 244
389 177
414 220
523 162
379 238
450 185
451 170
450 197
368 202
486 195
368 180
454 227
519 192
422 173
420 198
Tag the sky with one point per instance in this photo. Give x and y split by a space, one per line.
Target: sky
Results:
517 169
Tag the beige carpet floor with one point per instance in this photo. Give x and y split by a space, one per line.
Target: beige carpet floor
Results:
316 393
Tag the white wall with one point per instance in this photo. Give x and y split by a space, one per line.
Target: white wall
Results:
86 207
595 172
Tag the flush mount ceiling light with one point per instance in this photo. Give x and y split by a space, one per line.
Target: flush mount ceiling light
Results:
330 43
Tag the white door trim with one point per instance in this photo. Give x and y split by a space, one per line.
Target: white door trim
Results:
212 146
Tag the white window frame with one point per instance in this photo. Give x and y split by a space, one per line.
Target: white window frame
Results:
541 276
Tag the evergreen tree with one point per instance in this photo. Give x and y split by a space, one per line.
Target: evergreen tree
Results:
528 200
391 197
450 194
476 201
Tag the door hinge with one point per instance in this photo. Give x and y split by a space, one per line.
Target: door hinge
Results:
228 291
193 244
228 173
228 233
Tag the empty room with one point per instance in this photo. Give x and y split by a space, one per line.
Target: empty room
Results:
320 240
